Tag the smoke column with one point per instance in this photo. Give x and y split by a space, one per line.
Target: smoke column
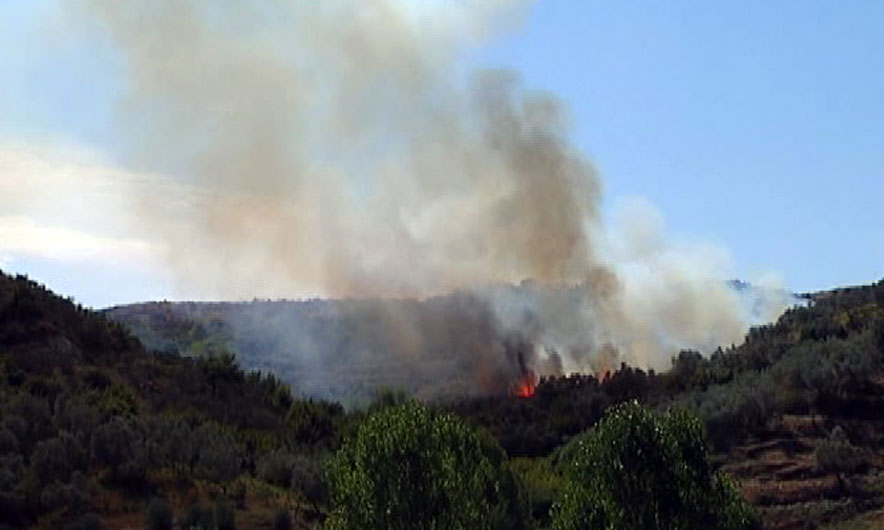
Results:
337 148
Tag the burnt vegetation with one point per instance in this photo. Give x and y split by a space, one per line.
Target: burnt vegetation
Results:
97 431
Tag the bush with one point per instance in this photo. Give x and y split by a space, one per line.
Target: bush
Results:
159 515
541 486
219 460
408 466
276 468
308 480
836 454
641 470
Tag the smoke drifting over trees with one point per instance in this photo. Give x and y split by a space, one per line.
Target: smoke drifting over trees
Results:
339 149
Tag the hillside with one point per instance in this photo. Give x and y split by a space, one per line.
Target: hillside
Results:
475 343
444 347
770 404
92 422
794 413
341 351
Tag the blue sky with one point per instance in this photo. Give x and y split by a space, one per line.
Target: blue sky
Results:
756 125
759 125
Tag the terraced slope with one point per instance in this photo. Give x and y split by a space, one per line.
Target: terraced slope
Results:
827 467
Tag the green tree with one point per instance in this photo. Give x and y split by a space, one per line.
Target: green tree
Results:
641 470
219 459
408 466
276 467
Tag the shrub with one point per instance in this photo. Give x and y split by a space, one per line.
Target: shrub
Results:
159 515
276 468
219 460
308 480
835 453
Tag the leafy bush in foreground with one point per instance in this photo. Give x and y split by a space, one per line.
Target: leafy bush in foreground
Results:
638 469
407 465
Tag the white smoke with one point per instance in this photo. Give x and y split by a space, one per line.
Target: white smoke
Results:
339 149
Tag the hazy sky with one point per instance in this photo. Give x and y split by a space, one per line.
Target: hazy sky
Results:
755 125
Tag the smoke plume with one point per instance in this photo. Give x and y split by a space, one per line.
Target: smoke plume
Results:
339 149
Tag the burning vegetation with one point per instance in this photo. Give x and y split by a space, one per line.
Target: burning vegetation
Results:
526 386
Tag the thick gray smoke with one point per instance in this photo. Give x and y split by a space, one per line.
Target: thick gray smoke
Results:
336 148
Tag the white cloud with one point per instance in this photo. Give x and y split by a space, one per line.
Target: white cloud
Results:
25 237
64 204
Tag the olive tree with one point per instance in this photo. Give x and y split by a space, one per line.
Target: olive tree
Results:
641 470
407 467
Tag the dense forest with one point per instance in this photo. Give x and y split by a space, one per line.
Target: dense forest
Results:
97 431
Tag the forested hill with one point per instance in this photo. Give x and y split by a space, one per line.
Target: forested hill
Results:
341 350
92 422
824 357
795 412
441 348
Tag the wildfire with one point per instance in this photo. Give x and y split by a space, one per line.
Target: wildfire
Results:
526 386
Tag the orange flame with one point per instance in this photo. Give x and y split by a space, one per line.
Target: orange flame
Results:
526 386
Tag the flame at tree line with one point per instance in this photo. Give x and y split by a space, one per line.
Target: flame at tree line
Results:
527 385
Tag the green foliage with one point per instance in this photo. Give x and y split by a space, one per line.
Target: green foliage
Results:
85 409
118 445
386 397
836 453
541 485
315 422
641 470
219 459
308 479
159 515
87 414
407 465
276 467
